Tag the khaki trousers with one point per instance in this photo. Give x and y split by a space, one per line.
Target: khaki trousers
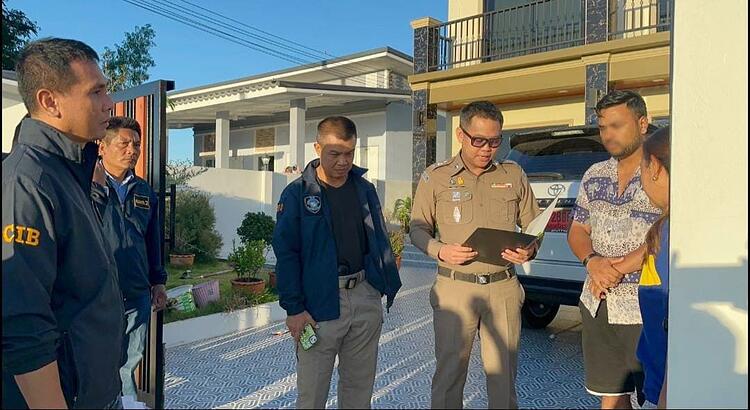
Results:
354 338
459 310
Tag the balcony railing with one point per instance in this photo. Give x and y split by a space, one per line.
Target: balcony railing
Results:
535 27
631 18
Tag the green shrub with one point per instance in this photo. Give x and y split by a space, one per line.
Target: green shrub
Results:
402 212
248 259
195 226
256 226
397 242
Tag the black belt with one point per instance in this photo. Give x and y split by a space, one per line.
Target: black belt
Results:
478 278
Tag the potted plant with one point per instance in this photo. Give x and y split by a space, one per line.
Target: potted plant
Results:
247 260
181 255
402 213
397 245
257 226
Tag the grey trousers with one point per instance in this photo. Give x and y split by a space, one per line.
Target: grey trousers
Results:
353 337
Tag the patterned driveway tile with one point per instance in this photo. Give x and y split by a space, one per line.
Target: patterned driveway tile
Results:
255 369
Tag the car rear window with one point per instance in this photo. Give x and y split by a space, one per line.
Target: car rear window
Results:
556 157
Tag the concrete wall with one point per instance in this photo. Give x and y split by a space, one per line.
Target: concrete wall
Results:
708 288
397 154
236 192
458 9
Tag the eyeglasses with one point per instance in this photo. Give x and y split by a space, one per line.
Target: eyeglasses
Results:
479 142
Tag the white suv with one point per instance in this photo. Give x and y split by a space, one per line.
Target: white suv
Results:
554 161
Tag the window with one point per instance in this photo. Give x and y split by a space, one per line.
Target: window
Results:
551 154
209 143
210 163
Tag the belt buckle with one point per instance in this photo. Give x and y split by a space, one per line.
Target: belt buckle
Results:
349 282
483 279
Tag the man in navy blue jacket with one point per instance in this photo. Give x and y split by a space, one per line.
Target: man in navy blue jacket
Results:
334 264
130 214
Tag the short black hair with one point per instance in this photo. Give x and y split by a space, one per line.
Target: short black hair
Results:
481 109
117 123
342 127
46 63
632 99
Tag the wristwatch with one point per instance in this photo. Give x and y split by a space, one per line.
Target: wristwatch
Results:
588 258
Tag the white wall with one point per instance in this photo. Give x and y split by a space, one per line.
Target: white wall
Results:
236 192
708 290
399 154
13 112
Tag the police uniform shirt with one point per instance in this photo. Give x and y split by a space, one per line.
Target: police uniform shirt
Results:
451 203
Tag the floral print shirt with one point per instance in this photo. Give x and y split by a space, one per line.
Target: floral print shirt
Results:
618 226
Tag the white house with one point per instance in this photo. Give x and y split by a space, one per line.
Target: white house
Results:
268 121
13 108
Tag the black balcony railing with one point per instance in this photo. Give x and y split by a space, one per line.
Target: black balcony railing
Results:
535 27
631 18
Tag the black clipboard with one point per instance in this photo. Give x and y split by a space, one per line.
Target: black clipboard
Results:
489 244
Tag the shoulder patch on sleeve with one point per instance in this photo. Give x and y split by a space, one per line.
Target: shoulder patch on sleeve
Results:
24 235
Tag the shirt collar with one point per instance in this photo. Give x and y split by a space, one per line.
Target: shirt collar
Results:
457 165
46 137
128 176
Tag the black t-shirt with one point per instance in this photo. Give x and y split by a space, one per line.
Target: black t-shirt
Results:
348 225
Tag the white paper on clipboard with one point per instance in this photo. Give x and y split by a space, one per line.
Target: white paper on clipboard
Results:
536 227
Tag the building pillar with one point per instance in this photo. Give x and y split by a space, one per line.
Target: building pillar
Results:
597 28
222 139
424 114
597 84
297 110
597 71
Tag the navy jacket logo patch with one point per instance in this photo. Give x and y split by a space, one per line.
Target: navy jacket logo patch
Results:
141 202
312 203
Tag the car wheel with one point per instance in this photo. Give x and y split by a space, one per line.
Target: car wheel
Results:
537 315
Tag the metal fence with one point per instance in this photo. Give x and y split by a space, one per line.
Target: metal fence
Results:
631 18
147 104
535 27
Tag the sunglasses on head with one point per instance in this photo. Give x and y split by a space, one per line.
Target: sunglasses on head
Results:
479 142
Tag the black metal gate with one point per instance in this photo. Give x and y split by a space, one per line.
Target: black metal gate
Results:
147 104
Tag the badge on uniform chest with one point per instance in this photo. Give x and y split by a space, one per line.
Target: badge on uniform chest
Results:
501 185
141 201
457 181
312 204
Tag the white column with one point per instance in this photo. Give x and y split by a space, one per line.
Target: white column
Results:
708 353
297 133
222 139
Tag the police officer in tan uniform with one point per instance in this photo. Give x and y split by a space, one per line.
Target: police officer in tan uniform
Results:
453 199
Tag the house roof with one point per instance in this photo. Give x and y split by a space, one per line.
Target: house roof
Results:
9 75
323 85
353 66
256 102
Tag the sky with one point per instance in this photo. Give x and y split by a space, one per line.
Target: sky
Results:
193 58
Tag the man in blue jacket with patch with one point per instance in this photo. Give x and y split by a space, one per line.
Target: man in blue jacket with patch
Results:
129 211
334 264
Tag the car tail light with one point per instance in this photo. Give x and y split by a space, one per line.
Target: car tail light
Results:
560 221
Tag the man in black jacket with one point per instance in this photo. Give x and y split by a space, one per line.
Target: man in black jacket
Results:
129 210
62 308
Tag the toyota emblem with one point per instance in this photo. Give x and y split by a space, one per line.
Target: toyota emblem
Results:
556 189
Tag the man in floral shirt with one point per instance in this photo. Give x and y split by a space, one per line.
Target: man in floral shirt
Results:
610 221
